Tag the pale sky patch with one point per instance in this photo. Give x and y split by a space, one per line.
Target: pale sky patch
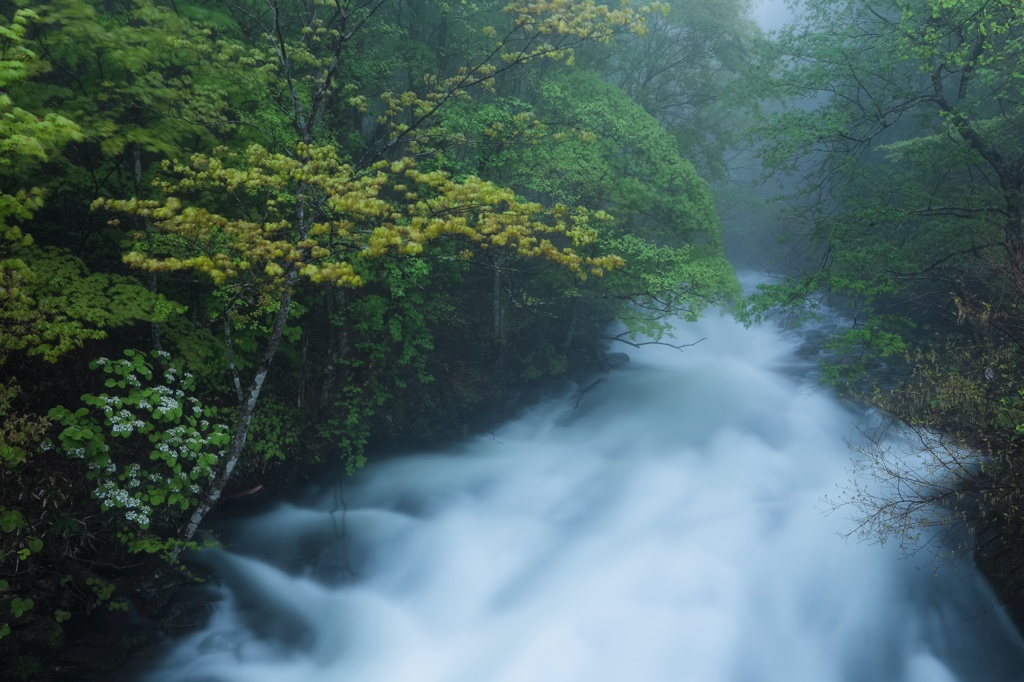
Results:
771 15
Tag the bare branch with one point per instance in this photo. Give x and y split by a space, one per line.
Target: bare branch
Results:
623 338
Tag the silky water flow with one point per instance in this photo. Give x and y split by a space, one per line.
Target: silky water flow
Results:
667 525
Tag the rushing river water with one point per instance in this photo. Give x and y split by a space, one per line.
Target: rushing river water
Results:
668 528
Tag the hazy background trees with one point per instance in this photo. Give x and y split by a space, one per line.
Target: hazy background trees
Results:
903 132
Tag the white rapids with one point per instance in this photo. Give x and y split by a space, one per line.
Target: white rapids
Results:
669 528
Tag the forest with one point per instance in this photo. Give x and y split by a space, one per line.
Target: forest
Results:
244 243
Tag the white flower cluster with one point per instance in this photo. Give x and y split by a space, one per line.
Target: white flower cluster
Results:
112 496
121 421
132 474
109 467
125 368
167 399
141 487
184 443
140 517
124 421
168 404
110 402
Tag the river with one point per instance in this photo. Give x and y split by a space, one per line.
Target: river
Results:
666 525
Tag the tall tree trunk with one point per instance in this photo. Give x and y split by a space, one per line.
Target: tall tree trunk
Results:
573 306
496 307
337 341
247 409
498 314
154 327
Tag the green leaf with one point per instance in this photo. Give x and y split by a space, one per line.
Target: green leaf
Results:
20 607
11 454
11 521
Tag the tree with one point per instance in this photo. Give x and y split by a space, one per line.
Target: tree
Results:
25 140
50 305
140 82
912 169
615 155
687 71
333 198
305 215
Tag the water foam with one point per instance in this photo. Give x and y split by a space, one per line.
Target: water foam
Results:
667 529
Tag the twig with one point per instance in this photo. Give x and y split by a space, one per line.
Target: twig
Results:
582 391
250 491
637 344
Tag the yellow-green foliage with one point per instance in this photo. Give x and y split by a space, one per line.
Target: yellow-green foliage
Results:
315 215
55 304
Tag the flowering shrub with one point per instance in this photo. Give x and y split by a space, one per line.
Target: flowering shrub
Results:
149 445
